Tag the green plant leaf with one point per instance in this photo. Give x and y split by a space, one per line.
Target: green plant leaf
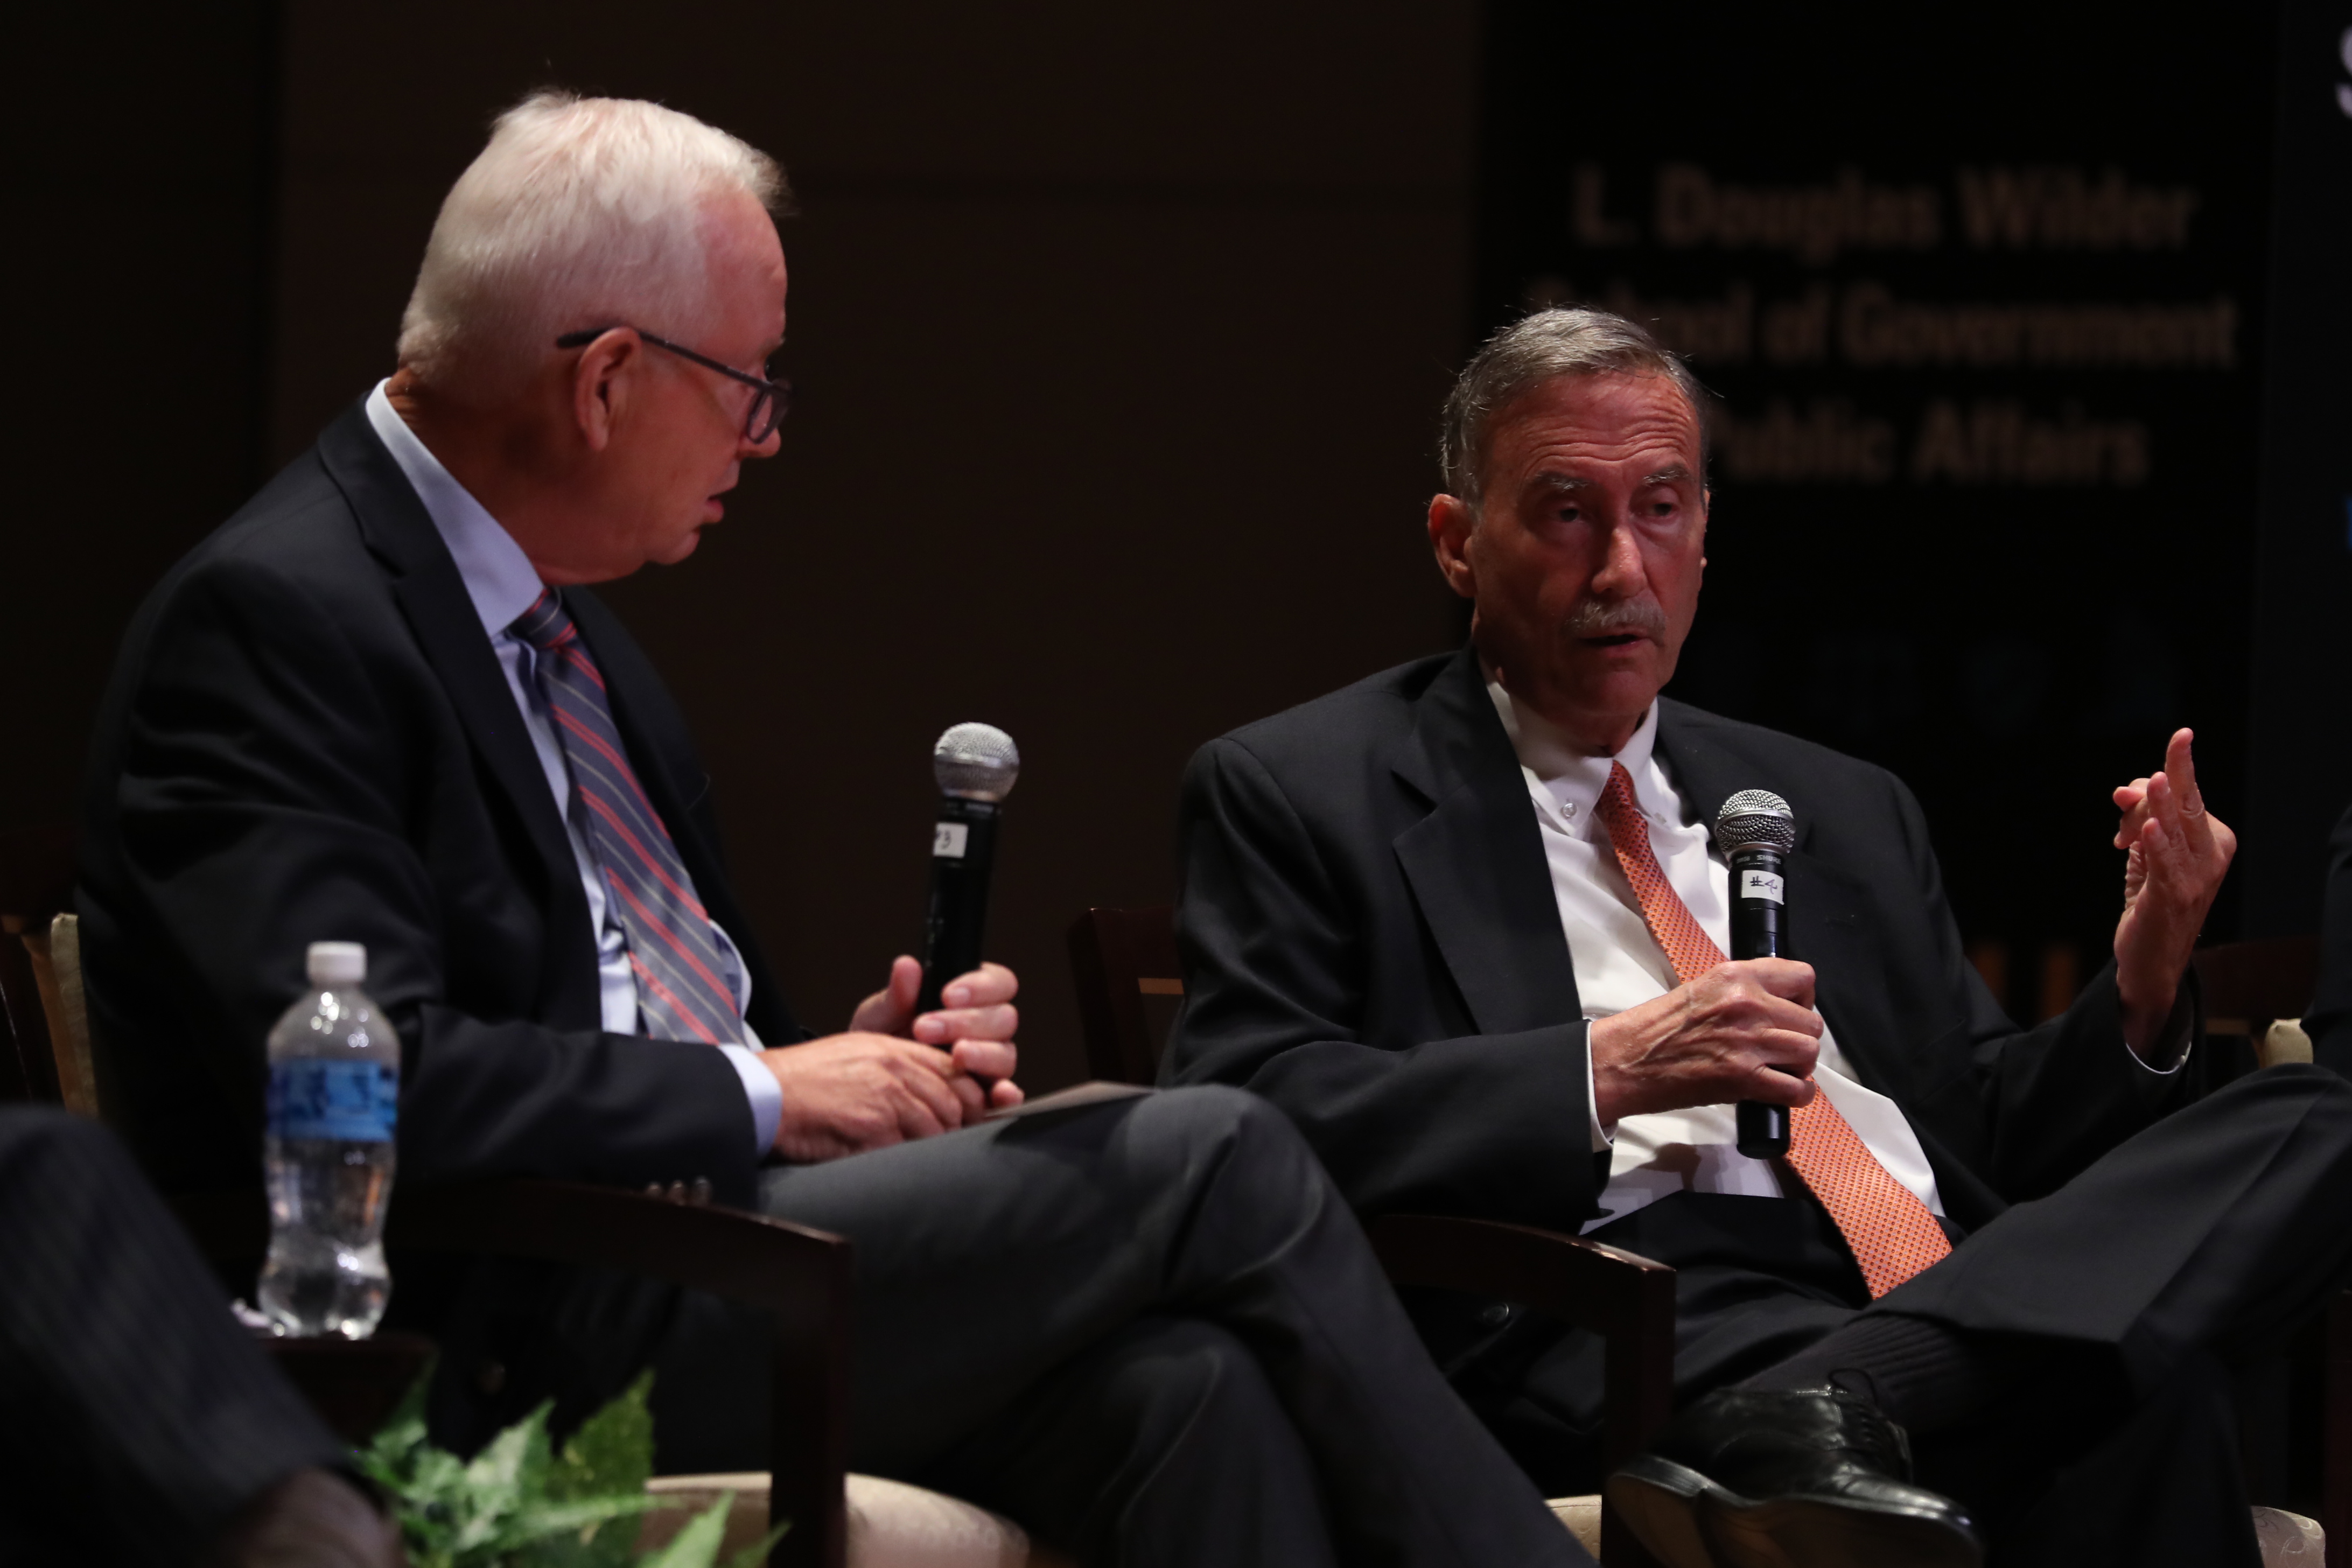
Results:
613 1452
756 1554
518 1504
695 1546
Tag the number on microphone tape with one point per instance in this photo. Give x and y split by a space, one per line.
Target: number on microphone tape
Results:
1762 885
948 843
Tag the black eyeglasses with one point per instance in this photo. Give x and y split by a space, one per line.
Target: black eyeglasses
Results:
773 399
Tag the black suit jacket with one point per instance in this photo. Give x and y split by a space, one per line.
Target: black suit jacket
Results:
1372 941
2329 1021
309 737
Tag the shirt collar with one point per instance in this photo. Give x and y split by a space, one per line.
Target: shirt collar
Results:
499 577
1567 784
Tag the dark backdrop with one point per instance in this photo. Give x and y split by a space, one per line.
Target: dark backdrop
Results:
1120 338
2302 724
1981 291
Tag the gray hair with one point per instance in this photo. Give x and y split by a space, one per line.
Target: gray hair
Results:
581 212
1541 348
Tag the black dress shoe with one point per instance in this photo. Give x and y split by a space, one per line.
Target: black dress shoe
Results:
1806 1478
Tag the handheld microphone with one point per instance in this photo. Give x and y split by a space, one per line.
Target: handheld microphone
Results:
976 766
1754 830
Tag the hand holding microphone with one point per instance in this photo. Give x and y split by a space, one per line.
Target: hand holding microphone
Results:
1739 1029
976 766
1754 830
874 1085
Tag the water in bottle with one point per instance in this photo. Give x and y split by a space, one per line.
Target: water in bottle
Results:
334 1086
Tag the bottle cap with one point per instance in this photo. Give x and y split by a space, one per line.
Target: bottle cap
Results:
337 962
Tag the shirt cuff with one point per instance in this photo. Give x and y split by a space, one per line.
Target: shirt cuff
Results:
2172 1045
767 1097
1602 1138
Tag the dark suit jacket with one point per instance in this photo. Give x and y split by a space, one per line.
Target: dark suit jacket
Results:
2329 1021
1372 941
307 737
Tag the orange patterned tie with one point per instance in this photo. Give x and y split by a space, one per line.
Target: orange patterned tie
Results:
1888 1229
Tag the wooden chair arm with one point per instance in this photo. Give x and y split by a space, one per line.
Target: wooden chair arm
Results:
801 1277
2335 1439
1627 1299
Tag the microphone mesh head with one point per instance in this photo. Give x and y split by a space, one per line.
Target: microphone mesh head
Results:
978 761
1755 816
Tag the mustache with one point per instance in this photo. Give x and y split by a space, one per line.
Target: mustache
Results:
1615 617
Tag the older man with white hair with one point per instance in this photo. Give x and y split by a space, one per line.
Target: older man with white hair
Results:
381 705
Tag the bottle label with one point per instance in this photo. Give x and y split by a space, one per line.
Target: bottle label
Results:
1761 884
350 1103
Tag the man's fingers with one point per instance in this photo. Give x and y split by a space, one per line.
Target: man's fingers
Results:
2131 799
2163 803
2195 823
987 1058
919 1118
986 986
1005 1095
1001 1022
2181 767
1774 1087
926 1093
1782 977
970 1100
1792 1017
890 1010
1794 1051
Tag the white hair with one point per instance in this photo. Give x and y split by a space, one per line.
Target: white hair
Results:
582 212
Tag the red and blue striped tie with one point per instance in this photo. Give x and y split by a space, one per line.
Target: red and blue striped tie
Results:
682 990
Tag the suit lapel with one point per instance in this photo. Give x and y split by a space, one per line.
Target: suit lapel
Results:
432 596
1476 863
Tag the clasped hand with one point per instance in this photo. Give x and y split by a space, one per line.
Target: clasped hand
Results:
1742 1031
894 1077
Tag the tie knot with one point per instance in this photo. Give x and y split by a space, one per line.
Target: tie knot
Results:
545 624
1617 803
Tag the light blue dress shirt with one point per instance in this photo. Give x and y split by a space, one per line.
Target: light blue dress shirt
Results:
502 583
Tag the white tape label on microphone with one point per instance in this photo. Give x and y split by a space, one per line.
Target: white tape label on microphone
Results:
1765 885
949 841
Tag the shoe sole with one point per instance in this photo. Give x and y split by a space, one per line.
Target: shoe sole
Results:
1688 1521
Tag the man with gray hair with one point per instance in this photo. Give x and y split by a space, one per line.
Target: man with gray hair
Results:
381 705
1466 923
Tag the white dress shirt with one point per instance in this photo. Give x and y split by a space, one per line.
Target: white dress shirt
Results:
502 583
1619 965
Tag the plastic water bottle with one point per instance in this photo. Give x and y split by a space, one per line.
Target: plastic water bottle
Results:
334 1089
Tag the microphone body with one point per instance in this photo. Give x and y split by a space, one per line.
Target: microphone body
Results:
1757 904
963 855
1755 830
976 766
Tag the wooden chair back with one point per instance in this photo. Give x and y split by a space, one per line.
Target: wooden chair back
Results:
55 956
2260 990
44 1058
1129 988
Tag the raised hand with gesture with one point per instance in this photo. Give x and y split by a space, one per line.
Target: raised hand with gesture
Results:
2177 853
